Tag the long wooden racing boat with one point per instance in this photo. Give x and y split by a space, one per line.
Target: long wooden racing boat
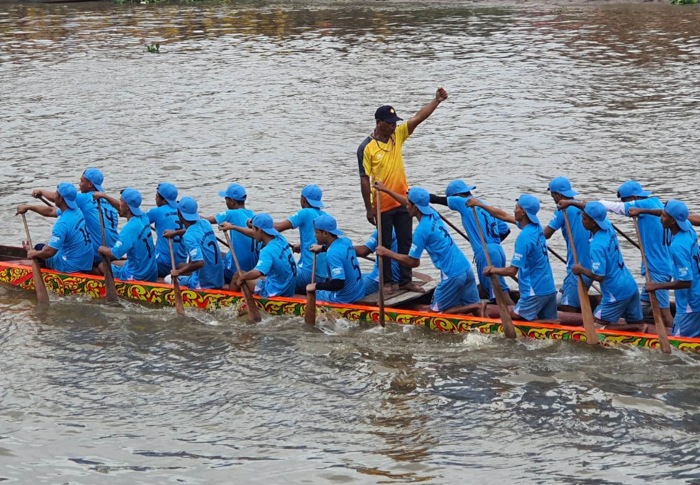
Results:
16 271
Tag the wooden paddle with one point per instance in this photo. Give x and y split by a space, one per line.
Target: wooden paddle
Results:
179 305
560 258
629 239
380 260
506 319
586 311
110 287
42 294
253 311
310 311
656 311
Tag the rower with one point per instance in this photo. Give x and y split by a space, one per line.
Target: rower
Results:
276 262
457 194
303 219
457 291
560 189
686 266
245 247
164 217
371 281
135 240
69 250
345 278
620 292
538 295
204 268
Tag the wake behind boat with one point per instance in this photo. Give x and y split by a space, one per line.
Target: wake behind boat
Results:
16 270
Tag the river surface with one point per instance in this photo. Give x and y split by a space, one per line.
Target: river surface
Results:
276 96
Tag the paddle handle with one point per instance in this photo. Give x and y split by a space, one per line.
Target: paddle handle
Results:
629 239
179 304
110 286
310 312
253 311
42 294
380 260
653 300
504 313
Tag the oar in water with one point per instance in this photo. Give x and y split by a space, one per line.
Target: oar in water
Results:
380 260
310 310
42 294
253 311
655 309
179 305
506 319
586 311
110 287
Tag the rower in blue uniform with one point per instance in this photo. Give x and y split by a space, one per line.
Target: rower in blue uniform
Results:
371 280
69 250
344 284
164 217
135 240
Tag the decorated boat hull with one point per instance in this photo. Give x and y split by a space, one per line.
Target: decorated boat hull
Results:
19 274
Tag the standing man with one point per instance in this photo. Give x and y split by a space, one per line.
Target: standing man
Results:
164 217
538 295
69 250
380 159
560 190
205 267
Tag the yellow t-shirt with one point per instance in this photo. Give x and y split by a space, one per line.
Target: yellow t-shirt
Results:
384 162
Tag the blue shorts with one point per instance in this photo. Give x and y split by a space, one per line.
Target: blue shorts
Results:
498 259
686 325
630 309
537 307
569 290
455 291
303 279
662 295
371 286
123 273
57 263
164 267
190 281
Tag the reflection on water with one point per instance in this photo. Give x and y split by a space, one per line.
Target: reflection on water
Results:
276 96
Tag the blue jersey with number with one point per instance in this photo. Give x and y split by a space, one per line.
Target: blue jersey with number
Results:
246 248
276 262
607 261
492 228
372 244
655 239
304 221
88 206
136 241
582 236
431 235
165 219
342 263
71 239
686 266
530 257
201 245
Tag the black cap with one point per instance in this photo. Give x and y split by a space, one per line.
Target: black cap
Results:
387 113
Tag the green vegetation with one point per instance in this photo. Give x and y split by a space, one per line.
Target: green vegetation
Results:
153 48
684 2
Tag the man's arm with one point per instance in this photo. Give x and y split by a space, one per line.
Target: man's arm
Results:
188 268
43 210
227 226
694 219
438 199
402 259
510 271
44 253
367 198
635 211
110 200
577 269
494 211
284 225
426 111
398 197
548 232
565 203
46 194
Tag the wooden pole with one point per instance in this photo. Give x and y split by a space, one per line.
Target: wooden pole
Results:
380 260
179 305
310 311
253 311
110 287
42 294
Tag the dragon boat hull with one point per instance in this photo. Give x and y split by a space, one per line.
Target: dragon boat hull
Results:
16 272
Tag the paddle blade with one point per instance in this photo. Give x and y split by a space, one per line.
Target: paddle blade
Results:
587 314
508 327
310 313
179 305
42 294
659 323
110 287
253 310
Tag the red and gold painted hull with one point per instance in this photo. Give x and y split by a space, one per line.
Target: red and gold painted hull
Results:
20 275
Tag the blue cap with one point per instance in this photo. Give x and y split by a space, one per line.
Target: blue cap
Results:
313 194
386 113
598 212
188 209
562 185
327 223
458 187
531 205
265 223
132 197
679 211
95 177
68 193
632 188
169 192
234 192
420 197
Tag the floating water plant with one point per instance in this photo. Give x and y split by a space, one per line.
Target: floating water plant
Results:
153 48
